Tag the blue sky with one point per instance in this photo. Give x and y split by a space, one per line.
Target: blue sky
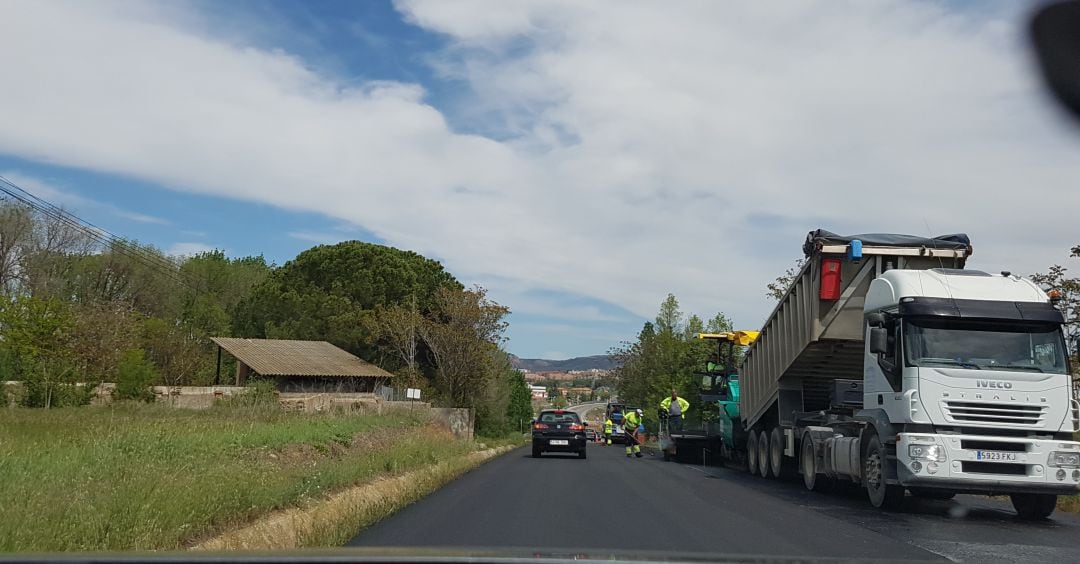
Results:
580 160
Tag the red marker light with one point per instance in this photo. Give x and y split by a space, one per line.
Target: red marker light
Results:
540 426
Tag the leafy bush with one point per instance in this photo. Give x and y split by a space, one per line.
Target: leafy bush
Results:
258 393
134 376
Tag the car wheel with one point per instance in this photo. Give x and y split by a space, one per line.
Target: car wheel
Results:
536 452
582 454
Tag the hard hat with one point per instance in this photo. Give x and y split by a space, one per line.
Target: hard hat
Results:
639 412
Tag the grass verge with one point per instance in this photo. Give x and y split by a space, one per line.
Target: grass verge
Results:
1070 503
144 477
334 520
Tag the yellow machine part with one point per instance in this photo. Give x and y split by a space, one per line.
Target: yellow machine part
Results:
742 338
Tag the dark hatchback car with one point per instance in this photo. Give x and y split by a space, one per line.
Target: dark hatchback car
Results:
557 430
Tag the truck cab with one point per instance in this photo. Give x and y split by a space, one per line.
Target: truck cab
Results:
970 370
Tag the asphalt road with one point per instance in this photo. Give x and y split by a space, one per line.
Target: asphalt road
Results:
609 502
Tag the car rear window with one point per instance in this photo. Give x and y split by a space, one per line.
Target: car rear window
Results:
564 417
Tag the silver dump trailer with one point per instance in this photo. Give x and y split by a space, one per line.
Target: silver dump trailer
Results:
814 336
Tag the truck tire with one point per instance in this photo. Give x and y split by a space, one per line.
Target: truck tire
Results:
751 452
1034 507
930 493
812 479
763 455
778 467
882 494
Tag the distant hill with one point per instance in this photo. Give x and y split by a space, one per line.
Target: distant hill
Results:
600 361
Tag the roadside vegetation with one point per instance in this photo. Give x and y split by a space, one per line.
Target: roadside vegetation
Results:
665 356
78 308
146 477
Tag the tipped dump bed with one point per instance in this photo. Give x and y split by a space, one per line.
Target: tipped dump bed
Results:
807 342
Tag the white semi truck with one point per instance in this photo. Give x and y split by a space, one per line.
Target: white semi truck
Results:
888 365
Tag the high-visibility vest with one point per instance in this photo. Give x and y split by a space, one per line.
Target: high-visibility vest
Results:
608 425
632 421
684 405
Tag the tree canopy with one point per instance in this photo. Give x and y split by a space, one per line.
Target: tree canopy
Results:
329 292
665 356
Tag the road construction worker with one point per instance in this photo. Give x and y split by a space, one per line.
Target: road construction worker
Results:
676 407
631 421
608 426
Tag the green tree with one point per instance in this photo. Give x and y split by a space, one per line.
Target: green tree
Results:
519 411
1068 301
464 335
329 291
777 288
37 346
134 376
665 356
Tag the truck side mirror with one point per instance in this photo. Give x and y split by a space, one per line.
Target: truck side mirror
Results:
876 319
879 340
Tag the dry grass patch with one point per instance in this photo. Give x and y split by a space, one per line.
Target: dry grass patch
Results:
333 520
144 477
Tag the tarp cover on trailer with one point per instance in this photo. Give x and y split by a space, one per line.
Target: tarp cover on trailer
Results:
823 237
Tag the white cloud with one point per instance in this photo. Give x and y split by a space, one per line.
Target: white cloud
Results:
648 149
74 203
187 249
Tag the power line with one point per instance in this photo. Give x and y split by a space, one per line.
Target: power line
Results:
99 235
70 219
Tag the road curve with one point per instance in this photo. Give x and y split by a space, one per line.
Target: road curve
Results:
609 502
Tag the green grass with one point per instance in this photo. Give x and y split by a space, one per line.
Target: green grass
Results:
1070 503
144 477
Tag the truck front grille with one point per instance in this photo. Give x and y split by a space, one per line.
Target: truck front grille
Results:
993 468
1000 446
995 413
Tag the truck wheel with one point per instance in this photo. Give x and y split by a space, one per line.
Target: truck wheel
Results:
780 469
1034 507
763 454
882 494
930 493
751 452
813 480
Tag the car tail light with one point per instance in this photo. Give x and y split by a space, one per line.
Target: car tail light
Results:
577 427
539 426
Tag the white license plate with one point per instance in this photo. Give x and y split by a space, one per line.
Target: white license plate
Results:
558 442
994 455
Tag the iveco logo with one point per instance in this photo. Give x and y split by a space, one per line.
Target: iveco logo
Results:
993 384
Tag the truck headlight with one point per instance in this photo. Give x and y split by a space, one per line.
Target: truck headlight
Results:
933 453
1060 459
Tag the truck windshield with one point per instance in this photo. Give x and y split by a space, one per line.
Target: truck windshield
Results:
984 345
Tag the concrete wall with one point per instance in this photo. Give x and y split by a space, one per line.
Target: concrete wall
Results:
459 420
194 397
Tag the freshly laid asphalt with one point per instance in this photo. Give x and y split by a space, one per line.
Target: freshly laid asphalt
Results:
610 503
